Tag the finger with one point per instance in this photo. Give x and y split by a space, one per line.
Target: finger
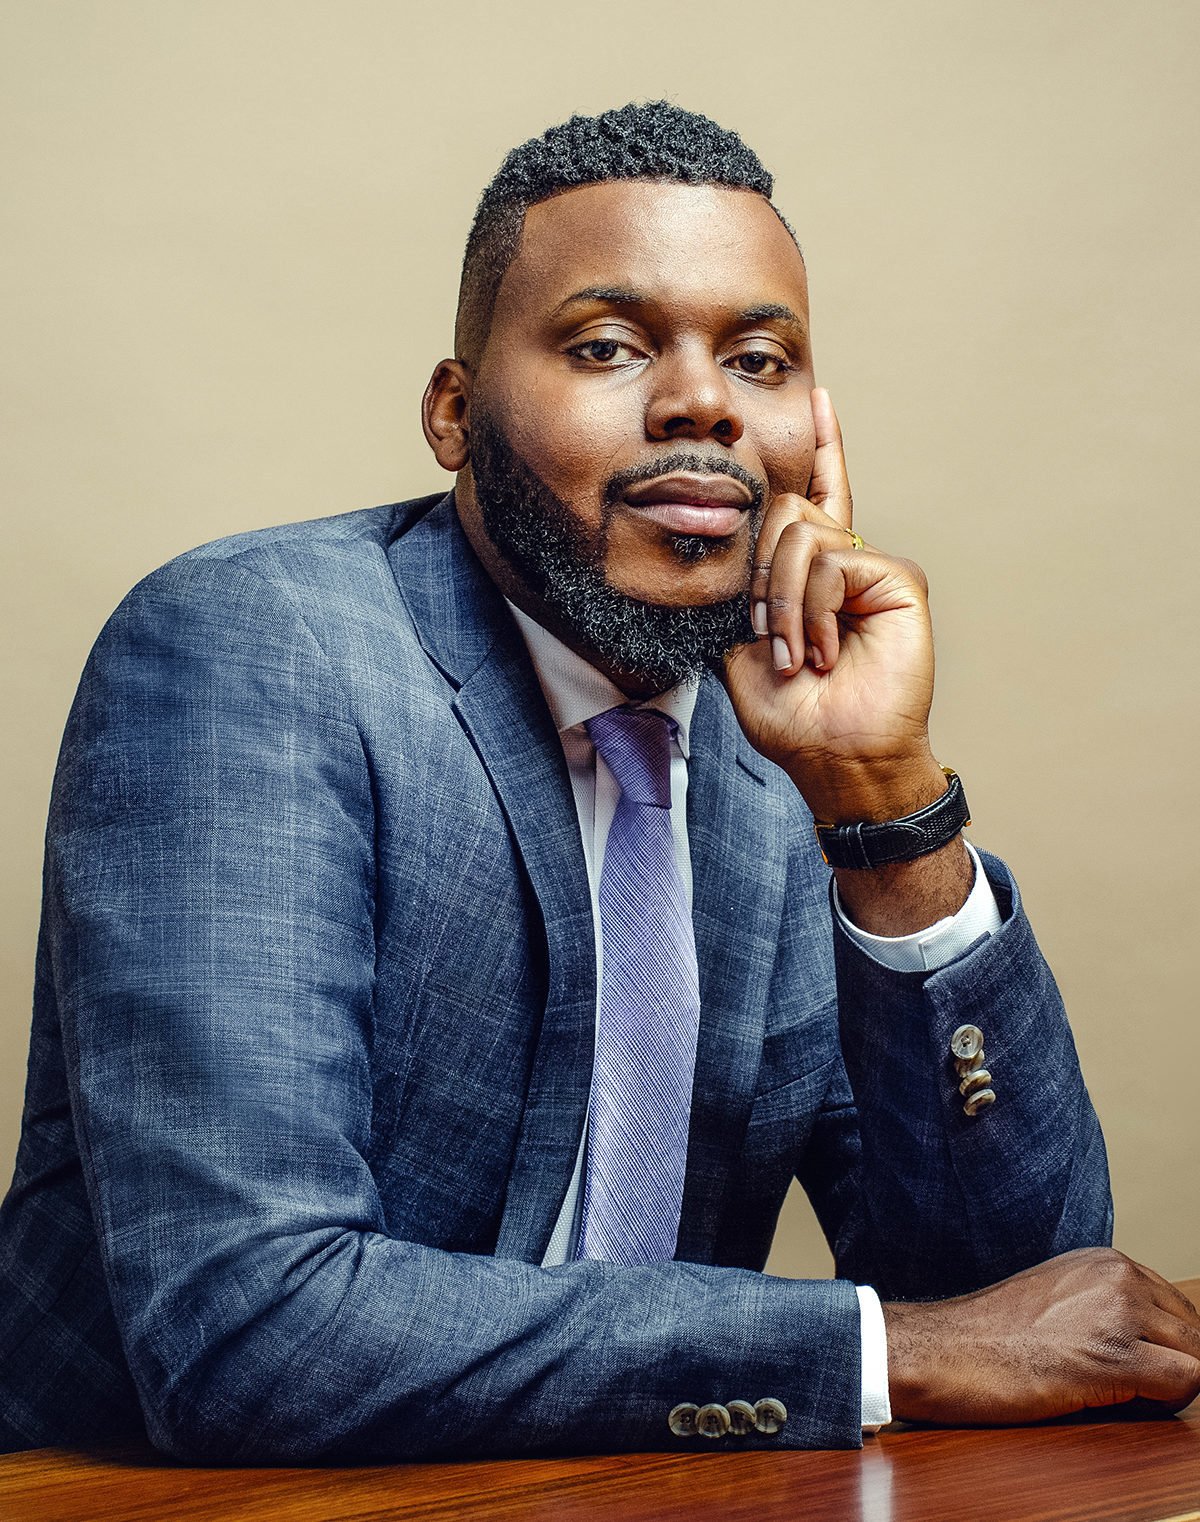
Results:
1156 1289
799 544
811 586
784 511
1166 1330
1163 1374
824 596
852 585
1164 1294
829 488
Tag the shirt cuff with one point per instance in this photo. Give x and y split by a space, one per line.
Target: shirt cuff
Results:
876 1401
926 950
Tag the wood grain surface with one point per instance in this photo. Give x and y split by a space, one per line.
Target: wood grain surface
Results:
1095 1471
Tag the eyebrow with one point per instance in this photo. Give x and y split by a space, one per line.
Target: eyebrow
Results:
623 296
770 311
611 295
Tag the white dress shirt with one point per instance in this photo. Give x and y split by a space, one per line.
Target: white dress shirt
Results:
577 692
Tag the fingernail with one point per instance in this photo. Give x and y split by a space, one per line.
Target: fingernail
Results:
780 653
758 617
814 656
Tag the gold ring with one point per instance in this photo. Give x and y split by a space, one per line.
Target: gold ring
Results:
855 539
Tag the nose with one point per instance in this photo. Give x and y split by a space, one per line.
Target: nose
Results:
693 397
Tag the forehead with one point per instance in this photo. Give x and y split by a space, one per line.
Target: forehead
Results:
705 247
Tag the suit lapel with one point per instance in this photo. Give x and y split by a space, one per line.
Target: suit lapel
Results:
737 837
738 844
467 631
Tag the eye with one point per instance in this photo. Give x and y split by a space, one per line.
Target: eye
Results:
603 351
761 363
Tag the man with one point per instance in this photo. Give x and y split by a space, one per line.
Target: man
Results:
439 982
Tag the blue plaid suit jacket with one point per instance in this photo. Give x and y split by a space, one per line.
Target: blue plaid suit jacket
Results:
313 1033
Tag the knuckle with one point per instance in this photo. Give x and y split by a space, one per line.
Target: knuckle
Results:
826 569
785 502
1114 1354
1100 1257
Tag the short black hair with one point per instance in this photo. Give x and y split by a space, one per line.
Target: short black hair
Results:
652 141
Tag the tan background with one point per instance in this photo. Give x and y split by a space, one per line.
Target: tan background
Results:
231 232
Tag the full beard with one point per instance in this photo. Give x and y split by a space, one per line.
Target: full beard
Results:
655 645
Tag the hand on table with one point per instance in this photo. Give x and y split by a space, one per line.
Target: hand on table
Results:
1091 1328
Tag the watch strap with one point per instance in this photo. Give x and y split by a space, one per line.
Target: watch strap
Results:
864 845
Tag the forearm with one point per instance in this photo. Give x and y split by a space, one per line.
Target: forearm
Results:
387 1350
1020 1181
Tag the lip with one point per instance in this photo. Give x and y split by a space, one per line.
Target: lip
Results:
714 506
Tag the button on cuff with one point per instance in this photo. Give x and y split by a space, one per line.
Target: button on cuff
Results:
682 1420
741 1417
770 1415
712 1421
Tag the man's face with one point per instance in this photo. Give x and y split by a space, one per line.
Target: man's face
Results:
643 394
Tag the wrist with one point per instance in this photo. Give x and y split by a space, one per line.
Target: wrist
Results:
912 1351
909 895
927 1379
872 791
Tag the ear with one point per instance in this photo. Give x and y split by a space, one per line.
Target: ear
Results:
445 414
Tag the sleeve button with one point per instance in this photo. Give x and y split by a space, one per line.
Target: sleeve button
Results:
741 1417
769 1415
980 1101
973 1082
712 1421
682 1420
966 1042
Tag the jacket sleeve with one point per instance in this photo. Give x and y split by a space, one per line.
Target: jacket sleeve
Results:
210 896
917 1198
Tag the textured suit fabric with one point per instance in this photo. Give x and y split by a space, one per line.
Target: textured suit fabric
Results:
313 1037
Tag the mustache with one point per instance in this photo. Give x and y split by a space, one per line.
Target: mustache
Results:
694 463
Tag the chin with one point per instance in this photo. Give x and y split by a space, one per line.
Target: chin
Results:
681 591
689 549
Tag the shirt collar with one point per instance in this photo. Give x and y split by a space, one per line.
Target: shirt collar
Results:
576 691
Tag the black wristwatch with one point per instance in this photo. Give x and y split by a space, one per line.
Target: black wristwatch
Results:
865 845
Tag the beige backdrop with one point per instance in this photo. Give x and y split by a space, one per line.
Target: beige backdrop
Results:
231 232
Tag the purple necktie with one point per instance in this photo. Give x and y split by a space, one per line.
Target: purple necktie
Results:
649 1007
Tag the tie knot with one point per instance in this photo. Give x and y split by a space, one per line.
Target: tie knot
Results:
636 746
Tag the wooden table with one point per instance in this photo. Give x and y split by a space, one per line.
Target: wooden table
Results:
1127 1471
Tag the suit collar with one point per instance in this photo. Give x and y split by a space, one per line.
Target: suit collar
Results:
455 606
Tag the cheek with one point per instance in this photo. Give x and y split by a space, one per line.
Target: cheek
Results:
788 450
573 437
